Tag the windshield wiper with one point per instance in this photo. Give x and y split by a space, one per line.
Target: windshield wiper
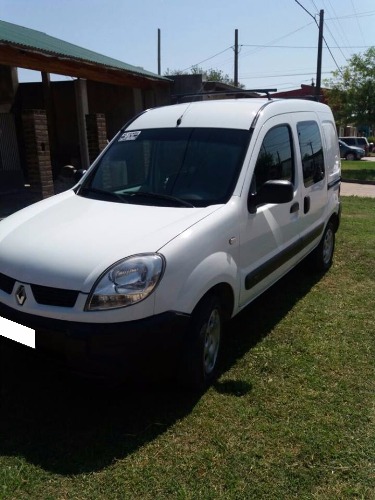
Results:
158 196
102 192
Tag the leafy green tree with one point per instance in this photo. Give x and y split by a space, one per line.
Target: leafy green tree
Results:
351 91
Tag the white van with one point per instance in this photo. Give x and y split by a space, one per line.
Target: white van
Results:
190 213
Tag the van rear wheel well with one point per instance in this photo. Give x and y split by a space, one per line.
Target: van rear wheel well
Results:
335 220
321 257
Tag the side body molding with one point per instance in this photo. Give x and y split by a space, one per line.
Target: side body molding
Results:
269 267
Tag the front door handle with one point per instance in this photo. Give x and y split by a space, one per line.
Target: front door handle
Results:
294 208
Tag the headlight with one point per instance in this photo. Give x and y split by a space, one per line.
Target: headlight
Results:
126 282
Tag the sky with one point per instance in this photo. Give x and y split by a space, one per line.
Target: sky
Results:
277 39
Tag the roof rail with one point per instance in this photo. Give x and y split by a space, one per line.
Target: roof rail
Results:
237 93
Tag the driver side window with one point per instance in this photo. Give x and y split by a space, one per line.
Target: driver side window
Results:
275 160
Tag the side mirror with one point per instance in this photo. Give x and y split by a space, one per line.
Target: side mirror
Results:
271 192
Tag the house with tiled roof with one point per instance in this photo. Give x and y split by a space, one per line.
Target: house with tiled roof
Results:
48 124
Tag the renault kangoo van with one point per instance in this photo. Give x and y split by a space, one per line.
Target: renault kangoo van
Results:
190 213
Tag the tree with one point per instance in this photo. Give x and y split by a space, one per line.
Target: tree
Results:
211 75
351 91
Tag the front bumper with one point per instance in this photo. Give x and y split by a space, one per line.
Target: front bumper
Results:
108 349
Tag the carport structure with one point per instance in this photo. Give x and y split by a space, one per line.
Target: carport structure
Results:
50 122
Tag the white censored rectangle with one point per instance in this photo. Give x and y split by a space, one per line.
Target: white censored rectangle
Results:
18 333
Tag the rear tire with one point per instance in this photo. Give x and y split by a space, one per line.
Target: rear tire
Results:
323 254
203 343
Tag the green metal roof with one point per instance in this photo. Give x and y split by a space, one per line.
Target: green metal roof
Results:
36 40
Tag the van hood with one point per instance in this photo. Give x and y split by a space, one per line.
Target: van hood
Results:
67 241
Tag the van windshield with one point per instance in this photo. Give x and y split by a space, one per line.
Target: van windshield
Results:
182 167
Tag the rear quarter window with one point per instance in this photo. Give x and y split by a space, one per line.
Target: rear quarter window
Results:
311 148
332 150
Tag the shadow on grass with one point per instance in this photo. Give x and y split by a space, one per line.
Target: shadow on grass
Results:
70 426
259 318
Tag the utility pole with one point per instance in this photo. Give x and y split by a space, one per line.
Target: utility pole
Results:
236 58
159 52
320 46
319 61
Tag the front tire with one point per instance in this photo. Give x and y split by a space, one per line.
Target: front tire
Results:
323 254
203 343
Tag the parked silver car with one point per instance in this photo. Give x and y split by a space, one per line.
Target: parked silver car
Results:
358 142
350 152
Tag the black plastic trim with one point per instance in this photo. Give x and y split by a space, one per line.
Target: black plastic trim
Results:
334 183
159 322
269 267
107 349
6 283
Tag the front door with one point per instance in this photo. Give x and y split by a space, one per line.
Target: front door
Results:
268 235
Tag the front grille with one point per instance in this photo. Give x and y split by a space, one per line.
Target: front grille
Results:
44 295
49 296
6 283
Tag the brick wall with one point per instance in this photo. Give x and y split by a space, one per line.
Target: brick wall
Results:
38 158
96 134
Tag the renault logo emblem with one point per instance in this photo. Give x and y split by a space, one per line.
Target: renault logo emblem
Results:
21 295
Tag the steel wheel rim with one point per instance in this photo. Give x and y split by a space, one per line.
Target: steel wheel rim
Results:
211 333
328 246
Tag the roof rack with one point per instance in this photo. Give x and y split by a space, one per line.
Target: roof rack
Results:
237 93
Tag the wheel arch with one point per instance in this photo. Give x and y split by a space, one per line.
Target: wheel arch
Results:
335 219
224 292
216 274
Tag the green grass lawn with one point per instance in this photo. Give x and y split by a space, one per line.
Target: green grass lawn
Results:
291 417
363 170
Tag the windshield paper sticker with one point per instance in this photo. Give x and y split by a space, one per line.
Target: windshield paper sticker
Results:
129 136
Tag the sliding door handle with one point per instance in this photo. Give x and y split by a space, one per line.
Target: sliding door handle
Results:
306 204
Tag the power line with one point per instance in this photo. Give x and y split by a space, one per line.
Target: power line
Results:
304 46
356 17
309 13
334 60
338 24
270 44
320 46
350 16
281 76
208 58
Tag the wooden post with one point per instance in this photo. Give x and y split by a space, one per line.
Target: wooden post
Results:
319 61
236 58
82 107
159 52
